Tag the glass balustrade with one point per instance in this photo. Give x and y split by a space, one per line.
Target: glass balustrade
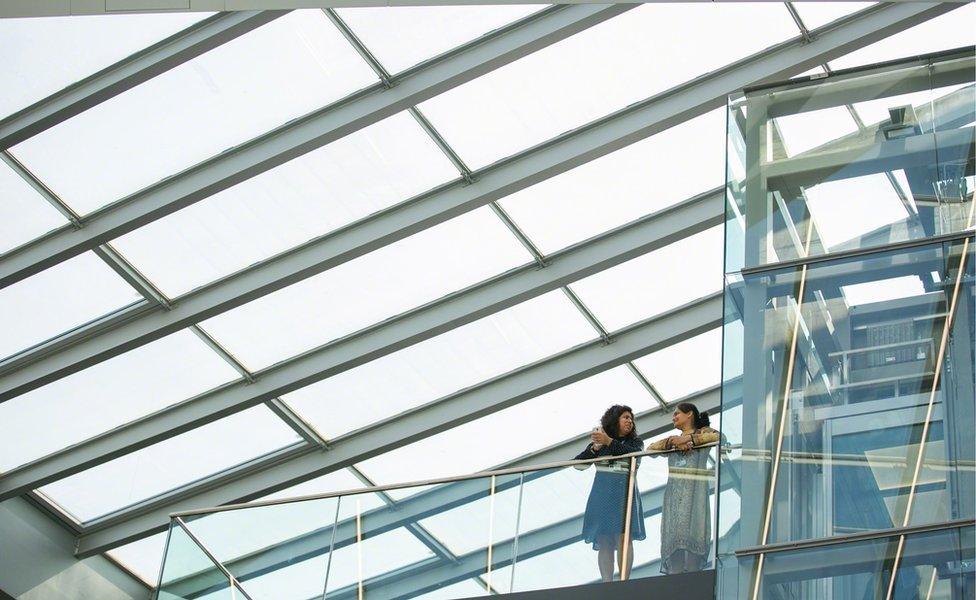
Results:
496 532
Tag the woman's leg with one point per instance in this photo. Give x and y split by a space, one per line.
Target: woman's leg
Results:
620 556
605 557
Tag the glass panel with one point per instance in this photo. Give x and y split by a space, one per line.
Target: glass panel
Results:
872 391
143 557
381 284
568 84
462 357
241 89
170 464
563 413
42 53
952 30
323 190
818 14
402 36
936 564
814 183
682 161
189 573
277 551
108 395
627 293
60 298
24 214
686 367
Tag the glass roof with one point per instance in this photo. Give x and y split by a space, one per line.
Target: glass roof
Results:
300 63
239 90
402 36
107 395
171 463
462 357
24 214
32 71
367 290
34 310
323 190
568 84
637 180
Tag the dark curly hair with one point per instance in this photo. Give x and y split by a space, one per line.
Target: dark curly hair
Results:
611 418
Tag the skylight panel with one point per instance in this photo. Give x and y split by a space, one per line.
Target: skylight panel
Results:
373 287
429 370
237 91
41 54
60 298
600 70
143 557
107 395
362 173
24 214
687 367
642 178
818 14
656 282
402 36
171 464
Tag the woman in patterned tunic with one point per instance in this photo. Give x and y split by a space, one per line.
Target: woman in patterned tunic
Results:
603 523
685 516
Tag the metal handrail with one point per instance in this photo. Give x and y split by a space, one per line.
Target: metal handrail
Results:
426 482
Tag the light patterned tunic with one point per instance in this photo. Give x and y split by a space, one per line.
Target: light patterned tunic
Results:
686 520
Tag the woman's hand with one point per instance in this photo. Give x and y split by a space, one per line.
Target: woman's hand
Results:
600 439
681 442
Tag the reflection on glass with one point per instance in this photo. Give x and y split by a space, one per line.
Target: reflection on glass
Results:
188 572
857 160
932 565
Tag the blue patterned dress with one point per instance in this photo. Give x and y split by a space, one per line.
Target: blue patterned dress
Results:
605 507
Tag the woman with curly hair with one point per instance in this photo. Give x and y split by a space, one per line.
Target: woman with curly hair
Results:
685 516
603 523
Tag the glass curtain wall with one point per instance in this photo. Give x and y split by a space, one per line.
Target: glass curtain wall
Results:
848 392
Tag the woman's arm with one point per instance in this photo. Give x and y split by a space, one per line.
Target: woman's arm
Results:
705 435
660 444
587 453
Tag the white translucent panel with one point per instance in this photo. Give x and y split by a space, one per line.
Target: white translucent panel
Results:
883 290
24 214
359 174
645 177
449 362
848 208
807 130
654 283
108 395
402 36
373 556
504 435
143 557
817 14
951 30
172 463
41 55
381 284
687 367
597 71
873 112
250 85
563 566
60 298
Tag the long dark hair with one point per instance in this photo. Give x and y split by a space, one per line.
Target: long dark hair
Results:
611 419
701 418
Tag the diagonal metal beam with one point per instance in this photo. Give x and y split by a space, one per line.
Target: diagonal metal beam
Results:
130 72
487 398
304 135
559 155
597 254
